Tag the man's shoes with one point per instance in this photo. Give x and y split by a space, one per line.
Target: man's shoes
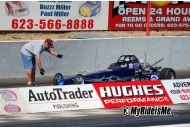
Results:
32 84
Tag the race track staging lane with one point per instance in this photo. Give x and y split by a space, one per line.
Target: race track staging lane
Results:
95 118
120 122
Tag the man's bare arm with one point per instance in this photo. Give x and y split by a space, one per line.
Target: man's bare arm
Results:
55 54
39 62
40 65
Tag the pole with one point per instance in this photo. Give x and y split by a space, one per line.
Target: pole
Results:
148 19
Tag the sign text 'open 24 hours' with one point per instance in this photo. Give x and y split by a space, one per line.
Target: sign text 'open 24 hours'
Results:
164 15
54 15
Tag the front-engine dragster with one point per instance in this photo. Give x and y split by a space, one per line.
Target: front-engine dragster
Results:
126 68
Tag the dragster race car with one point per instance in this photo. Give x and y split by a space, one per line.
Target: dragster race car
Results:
127 68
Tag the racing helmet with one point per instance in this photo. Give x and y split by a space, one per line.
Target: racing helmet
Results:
133 59
127 59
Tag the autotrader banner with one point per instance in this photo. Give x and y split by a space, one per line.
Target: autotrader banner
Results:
54 15
164 15
59 98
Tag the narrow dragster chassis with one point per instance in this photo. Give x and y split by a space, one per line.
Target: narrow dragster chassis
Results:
127 68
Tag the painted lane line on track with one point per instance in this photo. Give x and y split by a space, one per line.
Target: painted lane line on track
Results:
174 125
4 121
29 118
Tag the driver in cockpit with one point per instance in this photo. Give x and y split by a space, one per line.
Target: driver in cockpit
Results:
126 62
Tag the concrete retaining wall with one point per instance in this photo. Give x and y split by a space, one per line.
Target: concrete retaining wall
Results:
83 56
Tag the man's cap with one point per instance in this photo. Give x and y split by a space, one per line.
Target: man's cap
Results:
49 41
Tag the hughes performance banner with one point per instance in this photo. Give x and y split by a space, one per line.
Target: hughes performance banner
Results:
145 93
54 15
164 15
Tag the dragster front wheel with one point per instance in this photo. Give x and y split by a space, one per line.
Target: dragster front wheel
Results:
79 79
57 78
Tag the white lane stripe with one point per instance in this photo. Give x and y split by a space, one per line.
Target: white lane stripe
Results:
173 125
3 121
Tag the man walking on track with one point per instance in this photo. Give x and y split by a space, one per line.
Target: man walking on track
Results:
30 54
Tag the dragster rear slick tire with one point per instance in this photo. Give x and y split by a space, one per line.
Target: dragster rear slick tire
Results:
167 73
